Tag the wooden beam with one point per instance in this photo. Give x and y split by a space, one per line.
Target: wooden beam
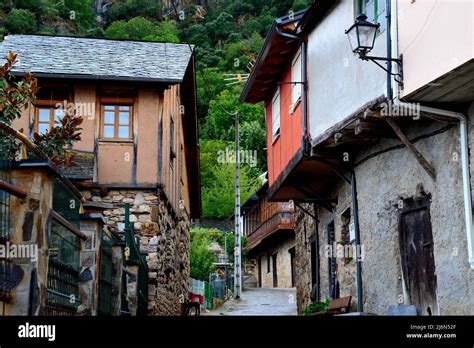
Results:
373 129
13 190
55 216
423 162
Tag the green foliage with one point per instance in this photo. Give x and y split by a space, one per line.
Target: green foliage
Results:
237 54
201 259
79 12
300 5
213 80
220 28
135 8
140 28
218 181
20 21
220 125
317 307
54 142
229 36
15 95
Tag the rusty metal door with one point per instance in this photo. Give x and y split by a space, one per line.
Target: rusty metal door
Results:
416 248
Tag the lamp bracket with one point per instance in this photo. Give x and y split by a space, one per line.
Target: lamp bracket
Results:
399 62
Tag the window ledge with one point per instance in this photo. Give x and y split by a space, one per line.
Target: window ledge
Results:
116 141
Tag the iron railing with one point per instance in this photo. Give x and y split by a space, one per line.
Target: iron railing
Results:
4 203
62 296
278 221
136 258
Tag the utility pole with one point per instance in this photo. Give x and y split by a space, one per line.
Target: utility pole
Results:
237 248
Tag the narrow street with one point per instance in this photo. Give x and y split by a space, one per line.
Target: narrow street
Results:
260 301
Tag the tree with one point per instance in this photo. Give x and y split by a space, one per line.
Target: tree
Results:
140 28
220 28
166 31
20 21
221 125
218 179
200 258
210 82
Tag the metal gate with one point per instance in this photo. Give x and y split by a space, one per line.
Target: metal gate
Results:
105 281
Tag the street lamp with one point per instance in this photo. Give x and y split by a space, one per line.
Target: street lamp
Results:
362 36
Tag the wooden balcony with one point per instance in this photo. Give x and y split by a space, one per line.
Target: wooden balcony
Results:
280 221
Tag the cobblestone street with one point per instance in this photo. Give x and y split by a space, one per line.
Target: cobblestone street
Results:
260 301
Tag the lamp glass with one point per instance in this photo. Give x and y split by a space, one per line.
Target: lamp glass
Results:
366 35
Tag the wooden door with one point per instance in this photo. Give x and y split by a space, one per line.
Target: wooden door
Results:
416 248
275 273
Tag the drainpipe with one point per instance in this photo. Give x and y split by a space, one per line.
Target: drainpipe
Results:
316 236
355 207
463 140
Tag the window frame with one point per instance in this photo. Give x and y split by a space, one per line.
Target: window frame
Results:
276 131
296 76
52 115
116 123
375 15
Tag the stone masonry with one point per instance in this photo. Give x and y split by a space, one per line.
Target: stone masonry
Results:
164 239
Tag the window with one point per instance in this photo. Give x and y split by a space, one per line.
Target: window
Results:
268 263
47 118
116 122
276 115
374 10
296 88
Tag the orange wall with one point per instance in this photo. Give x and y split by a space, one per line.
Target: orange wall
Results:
287 144
115 160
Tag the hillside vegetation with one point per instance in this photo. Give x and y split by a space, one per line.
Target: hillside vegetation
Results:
228 35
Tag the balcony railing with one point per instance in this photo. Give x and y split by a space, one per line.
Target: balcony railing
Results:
279 221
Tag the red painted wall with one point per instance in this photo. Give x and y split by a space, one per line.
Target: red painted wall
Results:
283 148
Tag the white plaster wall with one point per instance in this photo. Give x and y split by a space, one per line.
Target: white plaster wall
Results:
434 38
338 82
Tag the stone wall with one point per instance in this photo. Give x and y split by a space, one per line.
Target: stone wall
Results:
29 226
382 181
304 229
163 236
283 264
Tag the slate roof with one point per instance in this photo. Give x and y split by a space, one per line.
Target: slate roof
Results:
82 169
84 58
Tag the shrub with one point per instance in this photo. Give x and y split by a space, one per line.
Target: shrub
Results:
20 22
317 307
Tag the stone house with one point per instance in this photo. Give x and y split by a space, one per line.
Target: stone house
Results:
139 141
269 228
402 234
